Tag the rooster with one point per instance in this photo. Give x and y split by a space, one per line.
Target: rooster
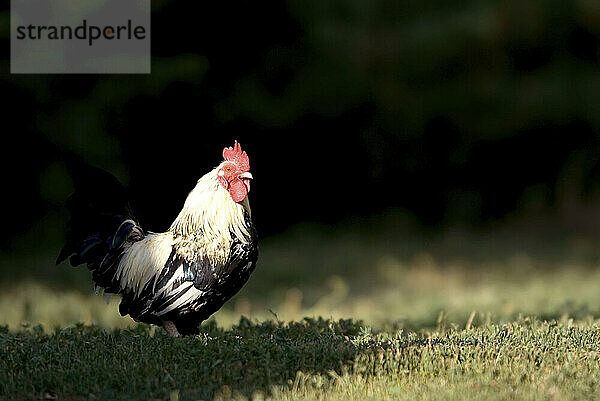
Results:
174 279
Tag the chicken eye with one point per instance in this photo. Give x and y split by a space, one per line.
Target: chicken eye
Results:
228 169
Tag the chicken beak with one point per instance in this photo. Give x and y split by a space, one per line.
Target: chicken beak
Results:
246 175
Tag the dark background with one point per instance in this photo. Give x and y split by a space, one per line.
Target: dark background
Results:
466 113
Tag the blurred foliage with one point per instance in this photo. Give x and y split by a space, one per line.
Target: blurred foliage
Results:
455 111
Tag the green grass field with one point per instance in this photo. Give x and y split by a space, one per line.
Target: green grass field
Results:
352 314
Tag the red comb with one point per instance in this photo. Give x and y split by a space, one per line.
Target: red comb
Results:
236 155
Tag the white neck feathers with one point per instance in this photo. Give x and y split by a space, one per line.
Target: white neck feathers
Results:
210 212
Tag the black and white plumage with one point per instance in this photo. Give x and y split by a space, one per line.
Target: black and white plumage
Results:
176 278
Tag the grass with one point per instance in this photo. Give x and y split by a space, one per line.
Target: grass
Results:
351 314
311 359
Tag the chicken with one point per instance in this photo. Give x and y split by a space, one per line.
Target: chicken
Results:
178 278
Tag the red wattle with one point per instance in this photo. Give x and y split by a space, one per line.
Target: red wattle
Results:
238 191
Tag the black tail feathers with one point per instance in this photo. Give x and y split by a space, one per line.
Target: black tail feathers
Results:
101 223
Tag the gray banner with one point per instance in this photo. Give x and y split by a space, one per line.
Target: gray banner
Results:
91 36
